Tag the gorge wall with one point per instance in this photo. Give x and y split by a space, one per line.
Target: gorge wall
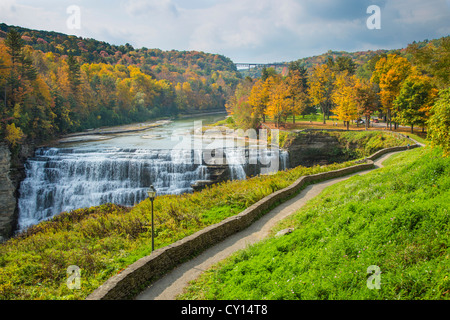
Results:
12 172
7 195
315 148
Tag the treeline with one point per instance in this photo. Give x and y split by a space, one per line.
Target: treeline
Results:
158 63
405 86
46 94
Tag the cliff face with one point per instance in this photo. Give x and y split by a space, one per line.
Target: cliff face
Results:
315 148
8 212
12 172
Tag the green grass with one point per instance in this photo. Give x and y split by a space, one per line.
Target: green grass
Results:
396 218
364 143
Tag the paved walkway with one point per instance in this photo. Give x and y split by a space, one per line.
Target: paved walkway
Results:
172 284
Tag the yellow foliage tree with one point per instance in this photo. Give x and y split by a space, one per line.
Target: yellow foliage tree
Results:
280 102
390 73
344 97
259 97
320 89
13 134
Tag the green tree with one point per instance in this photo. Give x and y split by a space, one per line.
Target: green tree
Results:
414 101
439 122
74 74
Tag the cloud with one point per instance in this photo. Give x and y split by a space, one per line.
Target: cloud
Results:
150 7
244 30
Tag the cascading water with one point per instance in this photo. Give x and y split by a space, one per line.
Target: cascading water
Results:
251 162
61 180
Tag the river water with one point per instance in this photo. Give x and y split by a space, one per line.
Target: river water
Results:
121 169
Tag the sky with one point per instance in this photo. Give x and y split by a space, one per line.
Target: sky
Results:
247 31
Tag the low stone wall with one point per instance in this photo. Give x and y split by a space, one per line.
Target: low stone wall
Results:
123 286
380 153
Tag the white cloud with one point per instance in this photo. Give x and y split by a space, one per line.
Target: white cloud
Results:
244 30
150 7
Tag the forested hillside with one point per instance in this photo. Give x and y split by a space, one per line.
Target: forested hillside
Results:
410 87
51 83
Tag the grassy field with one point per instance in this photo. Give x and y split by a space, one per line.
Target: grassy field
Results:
396 218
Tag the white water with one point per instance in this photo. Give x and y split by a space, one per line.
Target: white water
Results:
90 174
59 180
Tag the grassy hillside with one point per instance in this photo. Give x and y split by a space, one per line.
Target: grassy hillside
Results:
104 240
396 218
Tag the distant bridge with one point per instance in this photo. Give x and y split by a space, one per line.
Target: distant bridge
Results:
259 65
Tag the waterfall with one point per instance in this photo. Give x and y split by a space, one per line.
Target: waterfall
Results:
59 180
251 162
236 162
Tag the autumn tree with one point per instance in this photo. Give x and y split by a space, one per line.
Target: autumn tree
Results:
389 74
13 135
239 107
259 98
297 84
366 99
433 59
280 102
344 98
320 88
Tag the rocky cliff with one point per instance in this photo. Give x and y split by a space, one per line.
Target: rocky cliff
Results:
7 195
12 172
315 148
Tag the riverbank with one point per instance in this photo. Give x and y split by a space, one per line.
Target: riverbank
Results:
106 133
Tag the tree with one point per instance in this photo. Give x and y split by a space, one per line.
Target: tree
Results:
439 122
14 44
297 84
413 104
390 73
74 74
321 87
280 102
344 98
239 107
268 73
366 99
259 97
343 63
433 59
13 135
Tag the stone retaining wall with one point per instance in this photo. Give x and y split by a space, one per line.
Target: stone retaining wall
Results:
123 286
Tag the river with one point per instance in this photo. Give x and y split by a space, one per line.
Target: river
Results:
120 168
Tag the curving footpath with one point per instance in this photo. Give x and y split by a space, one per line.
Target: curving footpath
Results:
173 283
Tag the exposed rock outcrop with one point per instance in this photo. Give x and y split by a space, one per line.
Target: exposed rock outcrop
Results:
315 148
7 195
12 173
